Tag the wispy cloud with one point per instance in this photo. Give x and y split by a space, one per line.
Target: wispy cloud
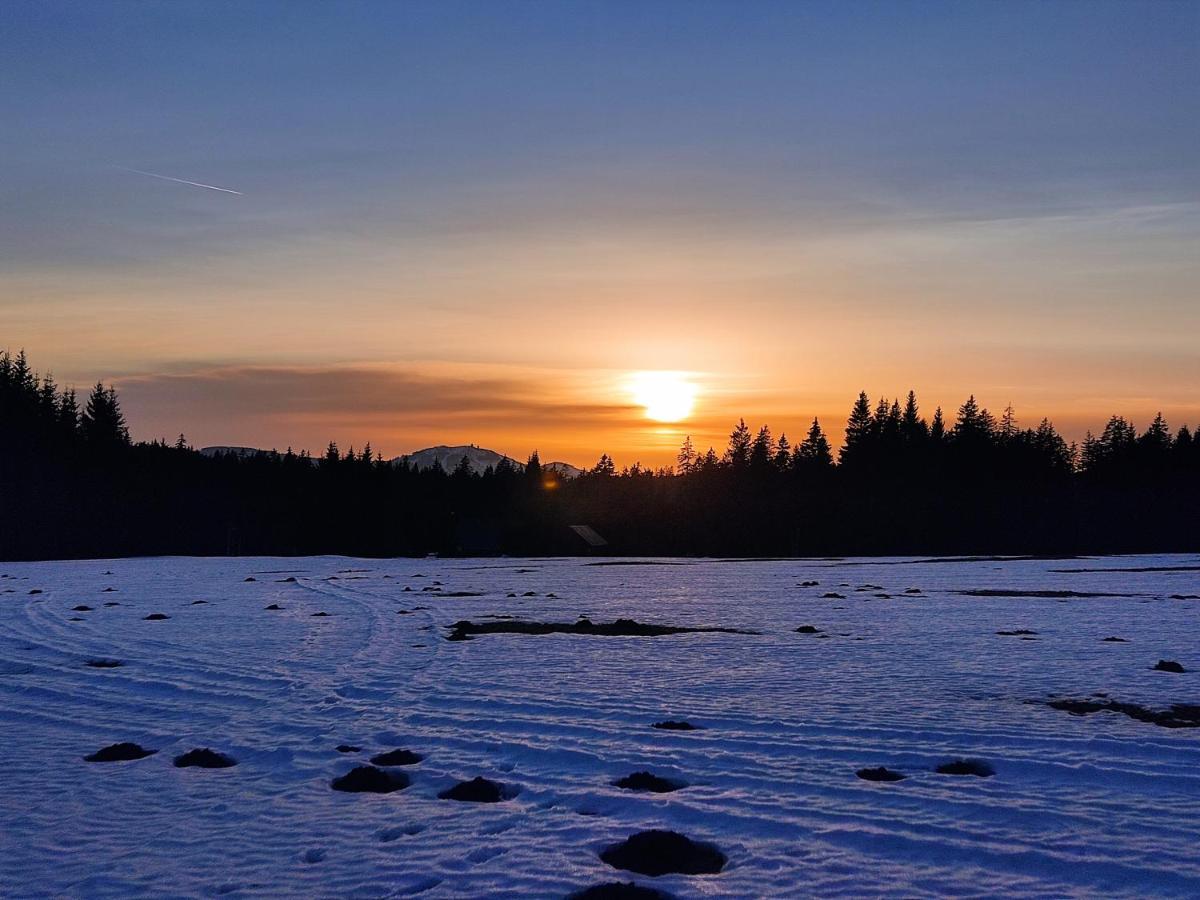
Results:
199 184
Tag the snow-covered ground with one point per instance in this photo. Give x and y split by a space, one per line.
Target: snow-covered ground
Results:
1101 804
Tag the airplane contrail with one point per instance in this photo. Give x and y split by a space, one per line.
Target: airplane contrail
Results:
200 184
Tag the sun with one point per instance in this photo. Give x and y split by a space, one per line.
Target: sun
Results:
665 396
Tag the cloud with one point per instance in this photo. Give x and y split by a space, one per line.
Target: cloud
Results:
309 405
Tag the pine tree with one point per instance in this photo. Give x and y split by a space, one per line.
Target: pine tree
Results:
783 453
686 460
68 412
858 430
1008 424
912 426
1157 438
738 454
937 428
761 450
605 467
103 423
814 451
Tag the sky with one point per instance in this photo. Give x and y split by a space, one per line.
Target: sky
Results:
471 222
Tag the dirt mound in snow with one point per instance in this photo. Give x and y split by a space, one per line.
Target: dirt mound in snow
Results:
396 758
370 780
664 852
463 630
119 753
976 767
879 773
645 781
477 790
204 758
619 890
1180 715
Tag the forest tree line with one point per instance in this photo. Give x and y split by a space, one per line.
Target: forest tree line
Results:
74 484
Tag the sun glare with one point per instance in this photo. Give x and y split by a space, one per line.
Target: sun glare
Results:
665 396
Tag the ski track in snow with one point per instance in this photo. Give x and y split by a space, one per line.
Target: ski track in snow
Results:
1100 804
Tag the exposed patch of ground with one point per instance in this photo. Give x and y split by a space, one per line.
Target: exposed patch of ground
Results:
1013 592
204 758
370 780
645 781
1133 569
477 790
619 890
879 773
120 753
1180 715
464 630
662 853
397 758
976 767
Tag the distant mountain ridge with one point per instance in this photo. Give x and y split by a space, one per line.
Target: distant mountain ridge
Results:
448 458
480 459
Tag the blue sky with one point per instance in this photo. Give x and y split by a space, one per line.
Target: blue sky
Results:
792 200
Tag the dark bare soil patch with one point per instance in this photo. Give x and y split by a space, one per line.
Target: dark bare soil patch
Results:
976 767
1180 715
662 853
120 753
1013 592
1133 569
477 790
397 758
204 758
619 890
1169 665
879 773
464 630
370 780
645 781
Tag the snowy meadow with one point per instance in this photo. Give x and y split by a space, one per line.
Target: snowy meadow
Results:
1047 691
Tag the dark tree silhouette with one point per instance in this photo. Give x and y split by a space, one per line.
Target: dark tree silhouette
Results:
72 484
